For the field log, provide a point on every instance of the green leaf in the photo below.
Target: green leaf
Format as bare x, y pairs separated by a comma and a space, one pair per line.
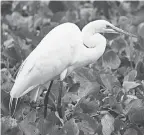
131, 76
87, 124
123, 20
111, 60
9, 126
18, 21
109, 80
70, 97
132, 104
74, 88
71, 128
130, 131
46, 126
90, 120
107, 122
136, 115
140, 71
127, 85
87, 81
6, 80
118, 45
26, 125
70, 16
118, 124
58, 16
141, 29
87, 105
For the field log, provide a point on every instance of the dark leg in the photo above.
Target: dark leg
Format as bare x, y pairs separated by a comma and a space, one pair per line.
46, 99
59, 107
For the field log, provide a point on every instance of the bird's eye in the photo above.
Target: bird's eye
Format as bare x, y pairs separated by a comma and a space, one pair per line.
108, 27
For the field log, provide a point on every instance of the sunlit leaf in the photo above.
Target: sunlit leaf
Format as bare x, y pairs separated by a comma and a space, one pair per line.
127, 85
107, 122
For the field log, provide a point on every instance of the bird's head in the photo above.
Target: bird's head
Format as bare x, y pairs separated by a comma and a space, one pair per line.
103, 27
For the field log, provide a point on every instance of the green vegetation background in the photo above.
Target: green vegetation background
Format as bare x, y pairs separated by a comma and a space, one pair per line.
105, 98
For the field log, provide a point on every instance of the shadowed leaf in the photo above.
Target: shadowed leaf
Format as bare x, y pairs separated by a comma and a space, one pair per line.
111, 60
118, 44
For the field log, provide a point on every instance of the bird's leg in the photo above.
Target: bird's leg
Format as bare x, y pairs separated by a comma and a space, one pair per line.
59, 107
47, 98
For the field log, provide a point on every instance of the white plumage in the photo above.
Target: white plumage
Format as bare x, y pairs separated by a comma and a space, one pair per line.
61, 51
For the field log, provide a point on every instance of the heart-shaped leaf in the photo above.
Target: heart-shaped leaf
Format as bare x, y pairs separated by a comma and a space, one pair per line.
111, 60
118, 44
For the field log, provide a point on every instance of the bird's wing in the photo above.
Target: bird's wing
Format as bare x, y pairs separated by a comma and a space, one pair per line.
49, 59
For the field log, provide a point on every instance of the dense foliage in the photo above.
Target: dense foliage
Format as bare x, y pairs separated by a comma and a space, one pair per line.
105, 98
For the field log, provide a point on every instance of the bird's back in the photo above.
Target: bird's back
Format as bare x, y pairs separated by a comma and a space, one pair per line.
53, 55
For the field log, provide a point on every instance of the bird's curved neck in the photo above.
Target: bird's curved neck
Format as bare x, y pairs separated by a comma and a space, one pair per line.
96, 44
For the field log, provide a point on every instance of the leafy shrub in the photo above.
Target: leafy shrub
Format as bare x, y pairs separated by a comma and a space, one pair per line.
105, 98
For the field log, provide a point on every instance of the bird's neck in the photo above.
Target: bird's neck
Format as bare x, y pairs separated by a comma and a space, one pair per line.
97, 44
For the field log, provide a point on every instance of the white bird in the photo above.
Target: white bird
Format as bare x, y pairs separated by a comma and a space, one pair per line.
61, 51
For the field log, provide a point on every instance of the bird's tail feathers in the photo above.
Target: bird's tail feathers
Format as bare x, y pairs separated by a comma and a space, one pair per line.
12, 105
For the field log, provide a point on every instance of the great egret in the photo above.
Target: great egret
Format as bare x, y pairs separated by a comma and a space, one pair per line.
62, 50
